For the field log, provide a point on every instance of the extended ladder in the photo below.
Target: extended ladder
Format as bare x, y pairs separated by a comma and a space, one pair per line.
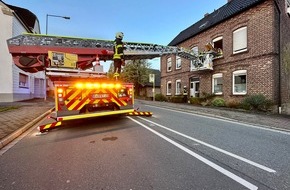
30, 51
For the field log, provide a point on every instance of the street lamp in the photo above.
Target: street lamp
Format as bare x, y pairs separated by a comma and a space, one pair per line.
65, 17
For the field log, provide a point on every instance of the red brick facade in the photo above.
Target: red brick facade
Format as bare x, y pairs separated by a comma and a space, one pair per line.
261, 60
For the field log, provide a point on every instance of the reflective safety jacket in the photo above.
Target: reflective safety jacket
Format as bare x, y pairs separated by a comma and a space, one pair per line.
118, 49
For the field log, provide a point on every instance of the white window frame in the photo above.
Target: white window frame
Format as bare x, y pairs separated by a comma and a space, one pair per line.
23, 80
216, 40
240, 40
195, 51
168, 91
169, 64
214, 77
178, 63
239, 73
178, 87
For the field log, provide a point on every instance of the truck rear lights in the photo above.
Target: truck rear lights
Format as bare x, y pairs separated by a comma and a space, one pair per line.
59, 90
122, 93
60, 93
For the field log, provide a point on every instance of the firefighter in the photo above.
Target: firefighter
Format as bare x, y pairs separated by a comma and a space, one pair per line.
185, 94
118, 54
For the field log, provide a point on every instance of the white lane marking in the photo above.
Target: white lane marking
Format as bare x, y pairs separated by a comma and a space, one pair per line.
202, 159
214, 147
229, 121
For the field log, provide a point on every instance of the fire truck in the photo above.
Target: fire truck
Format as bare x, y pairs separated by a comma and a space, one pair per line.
80, 90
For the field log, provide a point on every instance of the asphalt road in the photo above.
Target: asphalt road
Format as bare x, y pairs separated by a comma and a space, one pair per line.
171, 150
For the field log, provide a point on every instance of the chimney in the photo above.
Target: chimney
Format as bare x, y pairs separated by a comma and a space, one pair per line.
206, 14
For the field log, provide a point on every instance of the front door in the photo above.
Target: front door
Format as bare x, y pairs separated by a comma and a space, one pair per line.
194, 87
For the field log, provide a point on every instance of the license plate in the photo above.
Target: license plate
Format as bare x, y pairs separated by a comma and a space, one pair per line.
99, 96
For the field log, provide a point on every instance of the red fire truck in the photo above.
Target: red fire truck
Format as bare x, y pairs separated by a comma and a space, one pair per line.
81, 93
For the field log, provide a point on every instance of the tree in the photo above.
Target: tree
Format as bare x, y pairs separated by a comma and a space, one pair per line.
111, 70
136, 71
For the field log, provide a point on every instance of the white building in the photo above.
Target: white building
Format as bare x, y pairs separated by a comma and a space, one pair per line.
15, 84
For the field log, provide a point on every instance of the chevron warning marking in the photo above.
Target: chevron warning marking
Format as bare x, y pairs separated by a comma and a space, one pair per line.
140, 113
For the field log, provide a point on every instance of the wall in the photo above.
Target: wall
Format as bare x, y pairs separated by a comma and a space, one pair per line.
260, 60
5, 61
9, 74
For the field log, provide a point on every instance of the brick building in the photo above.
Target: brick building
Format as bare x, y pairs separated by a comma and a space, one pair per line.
254, 36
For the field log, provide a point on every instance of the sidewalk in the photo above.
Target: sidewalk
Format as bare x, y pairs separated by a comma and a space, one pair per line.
269, 120
20, 116
15, 121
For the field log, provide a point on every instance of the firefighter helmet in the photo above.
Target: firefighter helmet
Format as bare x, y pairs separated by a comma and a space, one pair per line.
119, 35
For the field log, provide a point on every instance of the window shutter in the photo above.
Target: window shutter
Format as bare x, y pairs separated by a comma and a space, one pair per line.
240, 40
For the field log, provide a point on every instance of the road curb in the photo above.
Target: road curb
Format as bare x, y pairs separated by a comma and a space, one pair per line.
18, 132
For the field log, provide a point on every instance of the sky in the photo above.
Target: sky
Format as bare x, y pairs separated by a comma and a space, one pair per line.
148, 21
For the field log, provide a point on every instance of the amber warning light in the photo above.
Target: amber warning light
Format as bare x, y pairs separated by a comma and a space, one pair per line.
97, 85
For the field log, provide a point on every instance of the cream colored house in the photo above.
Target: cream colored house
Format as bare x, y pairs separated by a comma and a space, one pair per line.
15, 84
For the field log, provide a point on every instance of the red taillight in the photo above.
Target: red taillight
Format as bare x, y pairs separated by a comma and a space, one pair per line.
60, 92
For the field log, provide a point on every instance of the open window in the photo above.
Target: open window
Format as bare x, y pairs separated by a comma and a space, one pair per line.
218, 45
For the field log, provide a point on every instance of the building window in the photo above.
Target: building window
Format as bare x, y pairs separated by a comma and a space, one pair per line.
193, 62
240, 40
169, 64
178, 62
23, 80
240, 82
168, 88
217, 83
195, 50
178, 87
218, 45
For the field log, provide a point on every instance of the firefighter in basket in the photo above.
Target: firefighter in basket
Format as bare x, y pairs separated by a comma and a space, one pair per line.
118, 54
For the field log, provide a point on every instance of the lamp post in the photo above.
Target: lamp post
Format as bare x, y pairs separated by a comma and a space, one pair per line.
47, 15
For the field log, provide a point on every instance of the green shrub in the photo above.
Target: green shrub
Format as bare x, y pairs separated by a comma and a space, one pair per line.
206, 98
256, 102
161, 98
177, 99
195, 100
219, 102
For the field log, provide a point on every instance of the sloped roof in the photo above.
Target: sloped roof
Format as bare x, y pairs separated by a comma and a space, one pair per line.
27, 17
227, 11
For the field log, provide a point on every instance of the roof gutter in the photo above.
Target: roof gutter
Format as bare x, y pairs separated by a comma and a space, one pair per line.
279, 59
